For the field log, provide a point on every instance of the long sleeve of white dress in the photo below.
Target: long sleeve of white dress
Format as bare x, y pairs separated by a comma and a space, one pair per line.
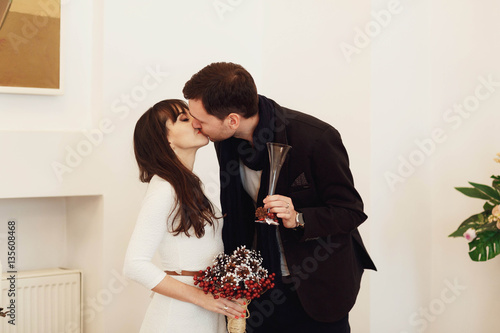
149, 231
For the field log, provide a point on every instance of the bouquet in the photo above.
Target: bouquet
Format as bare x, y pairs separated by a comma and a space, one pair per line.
483, 230
239, 275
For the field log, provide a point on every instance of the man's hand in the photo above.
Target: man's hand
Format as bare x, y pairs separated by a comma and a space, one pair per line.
283, 208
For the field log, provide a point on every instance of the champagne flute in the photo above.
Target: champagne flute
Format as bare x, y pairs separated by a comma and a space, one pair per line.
277, 154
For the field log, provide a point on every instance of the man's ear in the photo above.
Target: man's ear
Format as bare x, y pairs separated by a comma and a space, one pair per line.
233, 121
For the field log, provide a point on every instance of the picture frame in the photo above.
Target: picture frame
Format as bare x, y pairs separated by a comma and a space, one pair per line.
30, 47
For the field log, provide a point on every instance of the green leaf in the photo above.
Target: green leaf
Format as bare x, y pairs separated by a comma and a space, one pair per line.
475, 221
472, 192
485, 246
496, 182
489, 191
488, 206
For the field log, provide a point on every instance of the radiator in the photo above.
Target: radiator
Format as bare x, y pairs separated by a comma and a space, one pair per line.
47, 301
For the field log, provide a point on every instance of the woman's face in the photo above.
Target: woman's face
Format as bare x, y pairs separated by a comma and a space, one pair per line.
182, 135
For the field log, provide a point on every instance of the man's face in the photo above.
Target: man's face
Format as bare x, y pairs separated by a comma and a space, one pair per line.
211, 126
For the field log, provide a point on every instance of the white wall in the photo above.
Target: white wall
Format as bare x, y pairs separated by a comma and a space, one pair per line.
40, 227
383, 93
469, 50
426, 60
399, 114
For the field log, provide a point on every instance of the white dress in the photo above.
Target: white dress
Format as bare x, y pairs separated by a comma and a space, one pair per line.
177, 253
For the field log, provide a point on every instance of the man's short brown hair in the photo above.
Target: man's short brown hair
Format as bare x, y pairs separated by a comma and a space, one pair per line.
224, 88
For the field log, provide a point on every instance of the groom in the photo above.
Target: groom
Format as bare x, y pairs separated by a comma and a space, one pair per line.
316, 251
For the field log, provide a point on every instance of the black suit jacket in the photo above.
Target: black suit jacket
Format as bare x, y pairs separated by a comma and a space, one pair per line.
327, 258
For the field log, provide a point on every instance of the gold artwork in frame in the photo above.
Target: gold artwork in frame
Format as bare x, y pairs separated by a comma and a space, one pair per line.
30, 55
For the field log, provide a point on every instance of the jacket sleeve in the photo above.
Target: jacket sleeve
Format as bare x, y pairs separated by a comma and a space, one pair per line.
340, 208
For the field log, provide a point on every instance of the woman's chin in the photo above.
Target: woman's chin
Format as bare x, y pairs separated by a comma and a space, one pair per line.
203, 144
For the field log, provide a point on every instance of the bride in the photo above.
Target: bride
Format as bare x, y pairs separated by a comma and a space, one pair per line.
177, 220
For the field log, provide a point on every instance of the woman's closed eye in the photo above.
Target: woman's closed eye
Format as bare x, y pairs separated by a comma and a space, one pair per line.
183, 117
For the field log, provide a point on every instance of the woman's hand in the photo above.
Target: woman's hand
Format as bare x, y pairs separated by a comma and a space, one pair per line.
283, 208
173, 288
232, 308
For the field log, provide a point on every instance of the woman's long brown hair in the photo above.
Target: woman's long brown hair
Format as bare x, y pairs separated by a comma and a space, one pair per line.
155, 157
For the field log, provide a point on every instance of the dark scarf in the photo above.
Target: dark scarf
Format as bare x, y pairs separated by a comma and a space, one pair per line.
237, 206
256, 157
